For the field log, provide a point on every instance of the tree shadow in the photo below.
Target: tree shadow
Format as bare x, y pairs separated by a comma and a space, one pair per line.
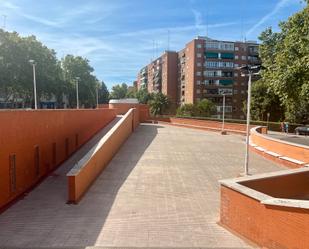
43, 219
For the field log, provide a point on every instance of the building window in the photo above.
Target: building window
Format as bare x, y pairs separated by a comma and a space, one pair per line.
243, 57
198, 55
211, 64
236, 48
236, 74
226, 46
198, 82
236, 65
236, 57
208, 73
227, 74
212, 45
235, 91
198, 91
226, 64
199, 45
211, 82
198, 73
242, 92
199, 64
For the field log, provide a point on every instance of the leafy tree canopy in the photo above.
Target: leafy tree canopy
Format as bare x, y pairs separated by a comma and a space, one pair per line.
285, 55
119, 91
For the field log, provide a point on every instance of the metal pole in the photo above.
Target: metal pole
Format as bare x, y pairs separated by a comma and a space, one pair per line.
223, 115
97, 95
248, 125
34, 88
77, 100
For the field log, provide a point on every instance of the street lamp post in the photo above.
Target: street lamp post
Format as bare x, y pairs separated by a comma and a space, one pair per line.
33, 63
97, 96
251, 70
223, 115
77, 97
268, 115
248, 124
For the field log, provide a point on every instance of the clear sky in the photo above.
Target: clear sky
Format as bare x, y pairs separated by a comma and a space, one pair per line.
118, 36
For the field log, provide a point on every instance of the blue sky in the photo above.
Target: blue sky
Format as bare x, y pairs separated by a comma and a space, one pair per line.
118, 36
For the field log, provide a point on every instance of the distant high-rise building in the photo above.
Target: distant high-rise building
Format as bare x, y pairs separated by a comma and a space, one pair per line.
204, 69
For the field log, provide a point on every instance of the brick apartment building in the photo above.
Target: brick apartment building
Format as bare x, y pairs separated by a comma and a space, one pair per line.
203, 69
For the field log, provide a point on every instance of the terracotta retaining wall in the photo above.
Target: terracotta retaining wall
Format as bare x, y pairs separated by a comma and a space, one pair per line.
84, 173
34, 142
269, 222
122, 108
289, 154
205, 124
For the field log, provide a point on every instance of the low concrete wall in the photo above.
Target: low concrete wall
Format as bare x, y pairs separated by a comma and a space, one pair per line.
205, 124
122, 108
268, 221
144, 113
34, 142
84, 173
289, 154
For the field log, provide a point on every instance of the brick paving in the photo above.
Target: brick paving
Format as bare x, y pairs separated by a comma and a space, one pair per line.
160, 190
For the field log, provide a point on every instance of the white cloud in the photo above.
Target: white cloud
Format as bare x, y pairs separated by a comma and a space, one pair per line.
280, 5
197, 18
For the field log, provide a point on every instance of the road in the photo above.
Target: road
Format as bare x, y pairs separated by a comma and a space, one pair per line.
304, 140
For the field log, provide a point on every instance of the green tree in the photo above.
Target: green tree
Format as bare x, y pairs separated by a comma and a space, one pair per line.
205, 108
76, 68
119, 91
103, 93
131, 93
16, 77
264, 101
285, 55
187, 110
143, 96
158, 103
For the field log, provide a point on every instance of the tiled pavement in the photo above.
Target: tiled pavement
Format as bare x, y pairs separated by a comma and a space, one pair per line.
160, 190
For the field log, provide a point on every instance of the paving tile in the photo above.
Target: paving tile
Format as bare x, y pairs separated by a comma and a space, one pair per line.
160, 190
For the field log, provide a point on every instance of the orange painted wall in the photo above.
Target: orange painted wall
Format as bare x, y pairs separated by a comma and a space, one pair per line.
300, 153
56, 133
272, 227
103, 105
78, 183
286, 186
144, 112
123, 108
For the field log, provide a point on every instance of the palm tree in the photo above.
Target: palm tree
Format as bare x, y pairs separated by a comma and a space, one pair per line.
158, 103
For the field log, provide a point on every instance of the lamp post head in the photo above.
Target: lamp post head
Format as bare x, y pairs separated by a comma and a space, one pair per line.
32, 62
77, 78
250, 69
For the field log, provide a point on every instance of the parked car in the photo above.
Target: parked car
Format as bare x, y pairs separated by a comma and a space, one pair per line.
302, 130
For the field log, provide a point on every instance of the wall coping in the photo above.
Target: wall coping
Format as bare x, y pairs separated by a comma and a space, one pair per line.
124, 101
81, 163
236, 185
254, 130
55, 110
